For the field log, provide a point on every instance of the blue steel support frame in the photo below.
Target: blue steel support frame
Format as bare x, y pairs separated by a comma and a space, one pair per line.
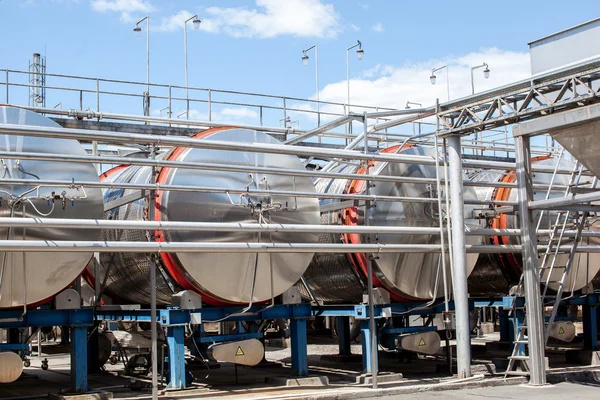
175, 341
366, 347
79, 361
590, 326
299, 347
77, 320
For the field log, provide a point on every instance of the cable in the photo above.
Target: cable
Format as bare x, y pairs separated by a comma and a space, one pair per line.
38, 211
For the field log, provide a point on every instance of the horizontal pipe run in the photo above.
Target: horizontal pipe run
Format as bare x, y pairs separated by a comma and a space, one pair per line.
321, 129
232, 168
252, 247
162, 140
564, 201
72, 223
244, 191
305, 151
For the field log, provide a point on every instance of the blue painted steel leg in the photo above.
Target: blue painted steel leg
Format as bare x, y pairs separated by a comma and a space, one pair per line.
505, 328
590, 327
299, 347
366, 347
79, 371
175, 340
343, 331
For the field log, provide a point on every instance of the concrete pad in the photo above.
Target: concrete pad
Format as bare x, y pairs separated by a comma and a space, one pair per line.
81, 396
304, 381
367, 379
586, 357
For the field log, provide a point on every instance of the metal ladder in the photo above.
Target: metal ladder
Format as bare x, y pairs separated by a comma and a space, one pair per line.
563, 216
516, 359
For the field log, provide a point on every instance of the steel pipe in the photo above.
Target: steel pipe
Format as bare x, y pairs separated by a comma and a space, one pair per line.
558, 202
322, 129
459, 255
305, 151
66, 223
254, 247
162, 140
531, 273
208, 189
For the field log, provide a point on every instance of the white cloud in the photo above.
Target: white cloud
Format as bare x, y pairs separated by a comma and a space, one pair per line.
304, 18
124, 7
355, 28
364, 6
238, 113
378, 27
174, 22
270, 18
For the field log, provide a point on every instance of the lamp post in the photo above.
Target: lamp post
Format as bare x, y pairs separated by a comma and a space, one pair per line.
305, 62
408, 103
360, 53
486, 74
196, 21
433, 78
137, 31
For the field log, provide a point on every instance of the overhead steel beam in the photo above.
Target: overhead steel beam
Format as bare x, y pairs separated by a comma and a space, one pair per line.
539, 95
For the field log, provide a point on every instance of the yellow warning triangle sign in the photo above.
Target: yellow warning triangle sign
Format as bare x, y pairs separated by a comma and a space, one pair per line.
422, 342
561, 331
239, 351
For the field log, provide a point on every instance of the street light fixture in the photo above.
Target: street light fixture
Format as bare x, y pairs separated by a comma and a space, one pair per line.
433, 78
486, 74
196, 21
305, 62
360, 53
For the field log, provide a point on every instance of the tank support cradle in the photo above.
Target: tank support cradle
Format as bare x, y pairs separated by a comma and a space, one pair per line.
77, 320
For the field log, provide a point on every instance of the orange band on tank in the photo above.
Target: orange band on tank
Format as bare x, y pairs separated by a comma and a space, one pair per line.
350, 217
176, 271
508, 260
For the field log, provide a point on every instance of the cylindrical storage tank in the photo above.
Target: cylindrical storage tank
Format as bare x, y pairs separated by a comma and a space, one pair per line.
585, 265
33, 278
407, 276
219, 277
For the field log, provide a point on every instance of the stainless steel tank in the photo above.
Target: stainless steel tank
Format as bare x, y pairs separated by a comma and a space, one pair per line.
35, 277
220, 277
407, 276
585, 265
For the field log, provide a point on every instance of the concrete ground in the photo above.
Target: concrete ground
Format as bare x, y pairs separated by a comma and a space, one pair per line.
560, 391
409, 378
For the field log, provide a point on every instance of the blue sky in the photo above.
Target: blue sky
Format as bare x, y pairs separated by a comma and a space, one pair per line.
250, 45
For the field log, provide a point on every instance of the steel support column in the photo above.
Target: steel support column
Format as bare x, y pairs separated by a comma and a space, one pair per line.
535, 317
79, 366
299, 347
459, 255
175, 340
